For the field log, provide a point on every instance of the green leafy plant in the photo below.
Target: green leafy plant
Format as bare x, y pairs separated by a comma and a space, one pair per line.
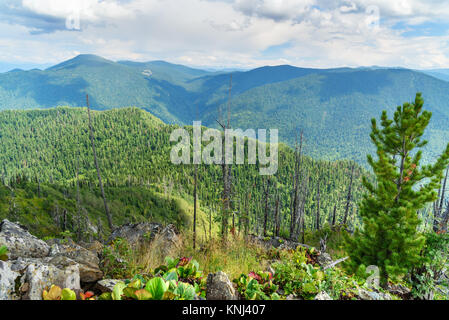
183, 270
116, 260
3, 253
298, 273
155, 288
56, 293
434, 257
257, 286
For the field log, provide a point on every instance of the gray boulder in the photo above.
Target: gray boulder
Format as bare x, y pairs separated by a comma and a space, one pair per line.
20, 242
8, 282
34, 265
140, 233
136, 233
219, 287
276, 242
364, 294
106, 285
323, 296
88, 261
39, 276
168, 238
399, 290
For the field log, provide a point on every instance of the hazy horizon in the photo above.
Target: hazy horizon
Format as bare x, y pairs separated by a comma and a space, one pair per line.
242, 34
6, 67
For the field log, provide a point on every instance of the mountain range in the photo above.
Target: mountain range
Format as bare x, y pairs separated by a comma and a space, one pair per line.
332, 106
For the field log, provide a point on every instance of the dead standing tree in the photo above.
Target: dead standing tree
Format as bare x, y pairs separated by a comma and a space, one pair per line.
226, 172
300, 219
317, 222
295, 192
334, 214
195, 183
266, 192
438, 205
195, 191
348, 198
277, 216
92, 140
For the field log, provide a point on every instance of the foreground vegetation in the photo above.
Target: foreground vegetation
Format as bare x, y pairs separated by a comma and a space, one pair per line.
257, 274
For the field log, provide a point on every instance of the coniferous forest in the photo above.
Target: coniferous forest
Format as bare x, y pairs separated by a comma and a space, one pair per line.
93, 205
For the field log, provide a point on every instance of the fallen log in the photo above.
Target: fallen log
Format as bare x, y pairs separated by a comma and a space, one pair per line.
333, 264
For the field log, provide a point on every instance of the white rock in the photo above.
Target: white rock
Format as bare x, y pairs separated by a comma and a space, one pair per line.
7, 282
20, 242
323, 296
39, 276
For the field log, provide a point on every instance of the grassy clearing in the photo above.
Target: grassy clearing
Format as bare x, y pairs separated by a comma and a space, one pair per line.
235, 257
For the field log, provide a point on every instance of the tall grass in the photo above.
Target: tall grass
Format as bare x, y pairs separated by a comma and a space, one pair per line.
234, 257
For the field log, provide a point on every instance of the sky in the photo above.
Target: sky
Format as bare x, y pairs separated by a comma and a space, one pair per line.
228, 33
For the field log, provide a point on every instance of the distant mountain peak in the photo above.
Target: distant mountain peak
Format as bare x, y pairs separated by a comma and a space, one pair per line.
82, 59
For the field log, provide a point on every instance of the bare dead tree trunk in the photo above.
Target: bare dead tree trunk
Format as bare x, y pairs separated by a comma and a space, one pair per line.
266, 190
303, 230
444, 220
226, 172
348, 199
106, 208
247, 217
195, 182
438, 210
318, 208
64, 220
334, 214
295, 204
210, 223
277, 220
100, 230
79, 232
323, 243
301, 207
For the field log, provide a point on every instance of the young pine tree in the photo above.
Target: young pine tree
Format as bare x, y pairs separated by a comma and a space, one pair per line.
389, 237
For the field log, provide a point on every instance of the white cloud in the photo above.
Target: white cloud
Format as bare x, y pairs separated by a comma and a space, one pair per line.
274, 9
320, 33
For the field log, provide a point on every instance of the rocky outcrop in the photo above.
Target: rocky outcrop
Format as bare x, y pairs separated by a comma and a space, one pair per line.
106, 285
399, 290
168, 239
136, 233
323, 296
140, 233
34, 265
88, 261
364, 294
219, 287
277, 242
20, 242
39, 276
95, 247
8, 282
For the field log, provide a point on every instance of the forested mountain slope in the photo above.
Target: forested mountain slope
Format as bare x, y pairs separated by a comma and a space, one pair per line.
332, 106
134, 152
334, 109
